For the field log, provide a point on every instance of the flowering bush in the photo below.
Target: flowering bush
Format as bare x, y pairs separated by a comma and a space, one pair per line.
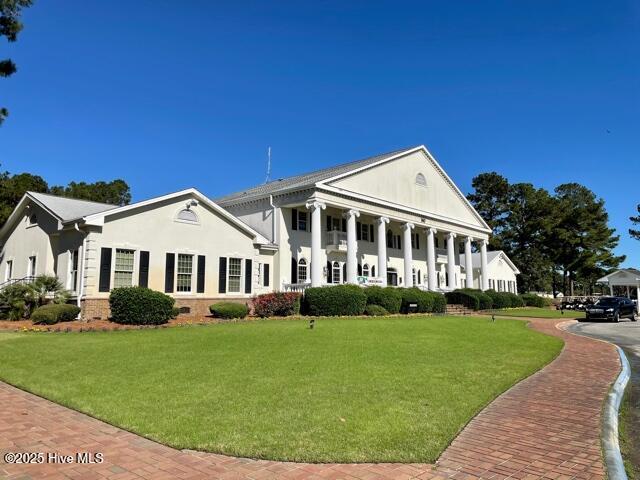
279, 304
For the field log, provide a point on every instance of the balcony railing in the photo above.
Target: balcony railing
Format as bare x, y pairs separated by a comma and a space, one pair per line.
336, 240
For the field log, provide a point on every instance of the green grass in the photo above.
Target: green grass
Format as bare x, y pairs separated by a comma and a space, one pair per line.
539, 313
351, 390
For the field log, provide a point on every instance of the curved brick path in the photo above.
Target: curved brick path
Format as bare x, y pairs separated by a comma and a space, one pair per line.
545, 427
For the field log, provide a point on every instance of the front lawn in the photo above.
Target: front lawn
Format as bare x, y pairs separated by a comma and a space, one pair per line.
539, 313
351, 390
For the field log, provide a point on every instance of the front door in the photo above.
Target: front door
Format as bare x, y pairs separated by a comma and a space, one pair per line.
392, 279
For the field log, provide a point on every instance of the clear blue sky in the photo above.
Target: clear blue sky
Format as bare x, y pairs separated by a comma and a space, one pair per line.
169, 95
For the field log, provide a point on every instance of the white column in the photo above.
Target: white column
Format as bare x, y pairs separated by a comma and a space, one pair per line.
468, 262
316, 242
610, 289
382, 249
451, 261
352, 246
408, 254
483, 265
638, 299
431, 259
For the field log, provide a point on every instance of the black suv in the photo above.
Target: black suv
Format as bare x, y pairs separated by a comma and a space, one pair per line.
611, 308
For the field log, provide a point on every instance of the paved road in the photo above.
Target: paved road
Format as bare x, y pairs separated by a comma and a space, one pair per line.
626, 335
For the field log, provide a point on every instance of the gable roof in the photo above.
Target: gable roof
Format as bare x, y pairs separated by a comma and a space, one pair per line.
67, 209
307, 180
98, 217
632, 271
491, 256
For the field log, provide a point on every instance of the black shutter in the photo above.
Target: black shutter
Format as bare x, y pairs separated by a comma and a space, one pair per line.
222, 275
358, 231
359, 270
328, 223
344, 224
143, 276
265, 273
294, 219
169, 268
371, 234
344, 272
294, 271
201, 274
329, 272
373, 271
104, 284
248, 275
417, 242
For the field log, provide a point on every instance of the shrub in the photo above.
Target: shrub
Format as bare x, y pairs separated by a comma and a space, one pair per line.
486, 303
54, 313
439, 302
16, 301
515, 301
423, 300
500, 301
388, 297
279, 304
533, 300
229, 310
375, 310
47, 288
462, 297
336, 300
140, 306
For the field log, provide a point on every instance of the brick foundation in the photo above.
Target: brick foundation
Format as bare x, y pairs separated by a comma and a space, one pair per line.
98, 308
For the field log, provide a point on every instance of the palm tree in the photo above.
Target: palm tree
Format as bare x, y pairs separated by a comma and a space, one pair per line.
47, 288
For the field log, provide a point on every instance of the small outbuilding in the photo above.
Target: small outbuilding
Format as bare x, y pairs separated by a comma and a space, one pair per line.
626, 278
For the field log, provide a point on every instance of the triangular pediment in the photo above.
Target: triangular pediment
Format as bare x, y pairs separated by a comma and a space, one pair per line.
414, 181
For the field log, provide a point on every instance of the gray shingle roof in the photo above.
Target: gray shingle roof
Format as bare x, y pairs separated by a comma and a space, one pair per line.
475, 257
67, 209
302, 181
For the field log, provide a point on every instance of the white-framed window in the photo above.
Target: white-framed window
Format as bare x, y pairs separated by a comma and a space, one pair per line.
415, 241
365, 270
123, 270
234, 274
414, 276
184, 273
73, 270
8, 273
302, 220
336, 272
31, 266
421, 180
187, 215
302, 271
364, 232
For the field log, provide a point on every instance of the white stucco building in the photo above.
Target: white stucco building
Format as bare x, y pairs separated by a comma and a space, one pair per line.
395, 219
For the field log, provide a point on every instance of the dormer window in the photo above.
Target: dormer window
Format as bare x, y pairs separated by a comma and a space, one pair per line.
187, 215
421, 180
33, 219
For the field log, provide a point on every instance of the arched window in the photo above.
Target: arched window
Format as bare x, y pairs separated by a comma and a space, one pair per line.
373, 270
421, 180
365, 270
336, 271
187, 215
33, 219
302, 271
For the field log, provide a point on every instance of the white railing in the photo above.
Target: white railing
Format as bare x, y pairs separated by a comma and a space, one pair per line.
336, 237
14, 281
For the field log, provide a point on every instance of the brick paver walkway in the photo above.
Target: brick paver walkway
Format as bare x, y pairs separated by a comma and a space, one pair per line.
545, 427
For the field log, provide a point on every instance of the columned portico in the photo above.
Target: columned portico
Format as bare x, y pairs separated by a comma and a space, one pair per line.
408, 254
352, 246
431, 259
451, 261
382, 249
483, 265
468, 262
316, 239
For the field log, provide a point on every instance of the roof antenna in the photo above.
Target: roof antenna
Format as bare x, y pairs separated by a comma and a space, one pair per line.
268, 179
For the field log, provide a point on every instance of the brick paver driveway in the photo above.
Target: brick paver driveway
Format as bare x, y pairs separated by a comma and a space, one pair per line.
545, 427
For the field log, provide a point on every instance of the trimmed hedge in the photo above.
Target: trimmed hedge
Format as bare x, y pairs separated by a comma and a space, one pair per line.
140, 306
439, 302
533, 300
334, 301
229, 310
54, 313
424, 301
505, 300
462, 297
375, 310
279, 304
388, 297
485, 301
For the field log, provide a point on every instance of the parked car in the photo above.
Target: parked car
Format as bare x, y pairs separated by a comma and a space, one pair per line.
611, 308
